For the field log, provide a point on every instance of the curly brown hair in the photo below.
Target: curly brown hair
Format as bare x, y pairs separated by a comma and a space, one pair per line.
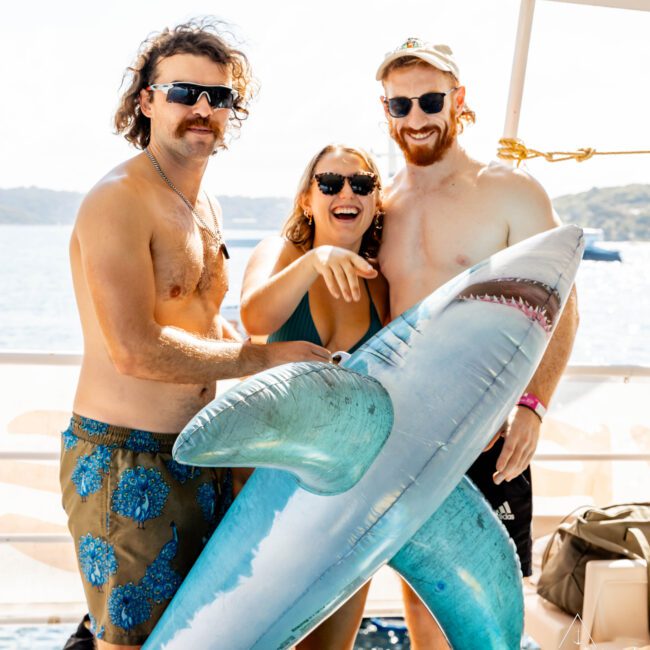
202, 37
298, 229
465, 117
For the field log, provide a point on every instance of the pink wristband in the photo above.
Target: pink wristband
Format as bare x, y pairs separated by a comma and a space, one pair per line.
530, 401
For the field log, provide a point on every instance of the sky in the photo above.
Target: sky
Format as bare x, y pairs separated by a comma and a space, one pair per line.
587, 84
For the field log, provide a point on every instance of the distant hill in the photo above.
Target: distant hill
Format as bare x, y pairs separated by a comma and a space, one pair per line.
622, 212
34, 205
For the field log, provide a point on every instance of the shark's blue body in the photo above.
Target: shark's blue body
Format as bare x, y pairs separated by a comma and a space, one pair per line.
299, 541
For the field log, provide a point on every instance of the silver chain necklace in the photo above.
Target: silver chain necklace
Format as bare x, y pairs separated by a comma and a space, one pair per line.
215, 235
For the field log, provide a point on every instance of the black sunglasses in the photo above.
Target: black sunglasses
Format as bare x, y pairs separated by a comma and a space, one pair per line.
183, 92
361, 183
430, 103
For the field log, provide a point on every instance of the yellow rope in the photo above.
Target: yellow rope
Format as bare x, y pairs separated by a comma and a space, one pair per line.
515, 149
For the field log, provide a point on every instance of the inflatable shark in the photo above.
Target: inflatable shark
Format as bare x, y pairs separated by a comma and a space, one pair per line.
363, 465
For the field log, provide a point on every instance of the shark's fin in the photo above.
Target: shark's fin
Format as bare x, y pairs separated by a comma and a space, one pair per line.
318, 421
464, 567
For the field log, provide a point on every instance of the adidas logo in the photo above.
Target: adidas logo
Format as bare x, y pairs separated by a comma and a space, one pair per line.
504, 513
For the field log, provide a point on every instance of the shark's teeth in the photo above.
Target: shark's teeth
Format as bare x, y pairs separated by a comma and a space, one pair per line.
536, 313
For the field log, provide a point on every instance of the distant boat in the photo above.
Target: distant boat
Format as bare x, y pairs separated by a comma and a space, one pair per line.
595, 252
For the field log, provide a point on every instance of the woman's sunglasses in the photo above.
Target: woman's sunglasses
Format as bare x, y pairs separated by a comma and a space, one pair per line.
183, 92
361, 183
430, 103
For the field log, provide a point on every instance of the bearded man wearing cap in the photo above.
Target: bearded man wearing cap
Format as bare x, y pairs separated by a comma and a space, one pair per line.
445, 212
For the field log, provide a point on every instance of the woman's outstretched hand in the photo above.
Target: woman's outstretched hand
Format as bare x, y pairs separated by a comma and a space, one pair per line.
341, 270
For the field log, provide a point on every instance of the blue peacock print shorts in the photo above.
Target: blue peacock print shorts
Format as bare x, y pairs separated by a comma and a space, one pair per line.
139, 521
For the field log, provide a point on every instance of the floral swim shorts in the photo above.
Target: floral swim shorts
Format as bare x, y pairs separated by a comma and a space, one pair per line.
139, 521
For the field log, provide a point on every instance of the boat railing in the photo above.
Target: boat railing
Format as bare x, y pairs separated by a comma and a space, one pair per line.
618, 373
38, 357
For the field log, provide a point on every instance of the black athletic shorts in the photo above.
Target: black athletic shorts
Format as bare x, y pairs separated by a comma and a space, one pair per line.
512, 501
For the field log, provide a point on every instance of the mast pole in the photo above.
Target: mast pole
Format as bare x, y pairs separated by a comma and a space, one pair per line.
518, 75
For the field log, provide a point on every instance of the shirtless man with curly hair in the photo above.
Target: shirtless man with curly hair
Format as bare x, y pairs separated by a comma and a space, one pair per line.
149, 265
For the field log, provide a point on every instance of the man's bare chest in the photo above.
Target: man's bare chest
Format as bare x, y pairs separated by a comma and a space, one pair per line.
188, 263
434, 235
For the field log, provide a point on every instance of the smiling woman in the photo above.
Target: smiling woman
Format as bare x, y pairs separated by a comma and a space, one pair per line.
316, 283
327, 241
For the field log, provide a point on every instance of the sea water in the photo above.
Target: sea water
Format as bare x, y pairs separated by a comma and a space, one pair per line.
38, 312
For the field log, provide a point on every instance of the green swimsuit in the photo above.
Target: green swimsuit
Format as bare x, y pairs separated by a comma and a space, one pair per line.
300, 325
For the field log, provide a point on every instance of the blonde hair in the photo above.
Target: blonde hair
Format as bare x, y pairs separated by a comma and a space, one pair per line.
298, 229
466, 115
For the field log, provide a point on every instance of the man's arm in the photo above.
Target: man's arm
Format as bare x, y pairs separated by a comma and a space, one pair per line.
277, 278
522, 434
115, 237
533, 214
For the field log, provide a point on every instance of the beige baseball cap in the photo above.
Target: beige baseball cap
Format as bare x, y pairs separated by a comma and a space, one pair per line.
439, 56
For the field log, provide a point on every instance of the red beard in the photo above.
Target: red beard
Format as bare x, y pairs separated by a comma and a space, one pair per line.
424, 155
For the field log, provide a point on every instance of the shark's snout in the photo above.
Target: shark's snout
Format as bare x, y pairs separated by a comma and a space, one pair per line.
536, 300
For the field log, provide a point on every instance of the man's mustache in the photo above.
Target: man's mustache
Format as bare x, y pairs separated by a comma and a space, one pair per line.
200, 122
428, 129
